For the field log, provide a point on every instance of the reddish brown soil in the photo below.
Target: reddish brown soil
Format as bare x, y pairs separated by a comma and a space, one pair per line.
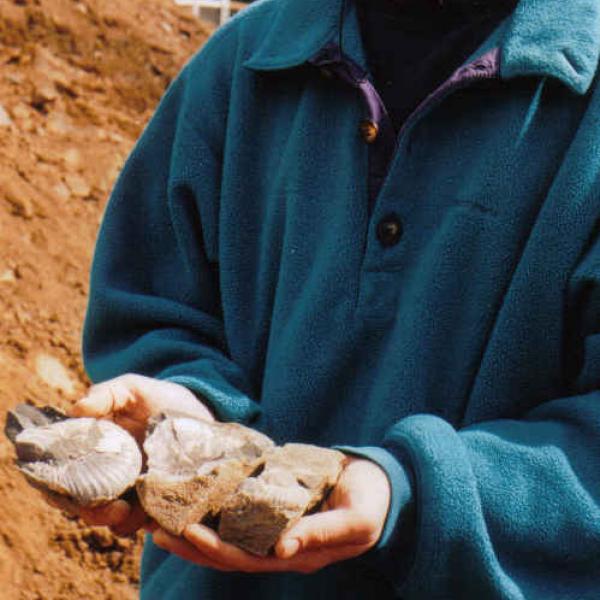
78, 80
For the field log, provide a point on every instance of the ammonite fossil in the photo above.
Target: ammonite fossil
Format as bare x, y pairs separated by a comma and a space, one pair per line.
84, 461
225, 475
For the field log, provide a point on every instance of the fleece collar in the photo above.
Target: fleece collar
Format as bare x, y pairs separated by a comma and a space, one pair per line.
556, 38
547, 38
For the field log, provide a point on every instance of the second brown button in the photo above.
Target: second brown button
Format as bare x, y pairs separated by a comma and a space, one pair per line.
369, 131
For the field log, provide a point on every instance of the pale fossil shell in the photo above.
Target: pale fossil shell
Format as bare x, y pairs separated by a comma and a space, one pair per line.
183, 447
89, 461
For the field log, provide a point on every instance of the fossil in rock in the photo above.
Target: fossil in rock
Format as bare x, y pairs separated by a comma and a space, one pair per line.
193, 467
295, 480
83, 461
225, 475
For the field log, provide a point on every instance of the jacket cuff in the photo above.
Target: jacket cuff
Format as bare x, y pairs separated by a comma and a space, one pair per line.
227, 404
394, 552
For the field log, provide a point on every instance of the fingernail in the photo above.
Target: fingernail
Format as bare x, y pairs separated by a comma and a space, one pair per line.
289, 548
202, 534
158, 537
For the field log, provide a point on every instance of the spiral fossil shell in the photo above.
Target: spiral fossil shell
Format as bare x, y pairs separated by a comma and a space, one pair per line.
88, 461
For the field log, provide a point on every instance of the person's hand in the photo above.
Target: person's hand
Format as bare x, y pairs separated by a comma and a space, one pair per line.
130, 400
349, 525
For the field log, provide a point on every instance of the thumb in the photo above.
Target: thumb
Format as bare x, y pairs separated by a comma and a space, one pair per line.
111, 514
98, 403
341, 527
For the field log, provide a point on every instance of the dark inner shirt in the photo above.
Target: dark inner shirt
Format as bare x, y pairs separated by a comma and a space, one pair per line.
413, 46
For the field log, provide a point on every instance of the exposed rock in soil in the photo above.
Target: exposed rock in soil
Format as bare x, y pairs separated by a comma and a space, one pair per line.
5, 120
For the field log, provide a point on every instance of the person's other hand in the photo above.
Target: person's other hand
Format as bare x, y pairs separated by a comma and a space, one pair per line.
349, 525
130, 400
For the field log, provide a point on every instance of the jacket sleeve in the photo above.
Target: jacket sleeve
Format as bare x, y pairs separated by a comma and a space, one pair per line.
154, 305
506, 508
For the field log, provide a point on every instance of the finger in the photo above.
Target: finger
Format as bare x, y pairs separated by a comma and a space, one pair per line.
136, 519
185, 550
212, 546
91, 407
150, 526
119, 401
113, 514
312, 561
341, 527
99, 402
231, 558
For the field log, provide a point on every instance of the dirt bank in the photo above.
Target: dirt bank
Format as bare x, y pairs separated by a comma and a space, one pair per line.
78, 80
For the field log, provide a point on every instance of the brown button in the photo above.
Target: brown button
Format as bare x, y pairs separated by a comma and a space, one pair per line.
369, 131
389, 230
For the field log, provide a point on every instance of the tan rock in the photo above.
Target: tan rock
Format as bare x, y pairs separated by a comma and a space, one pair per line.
8, 276
175, 504
61, 191
78, 185
44, 92
59, 123
20, 111
52, 372
5, 120
18, 197
72, 158
194, 466
296, 478
14, 78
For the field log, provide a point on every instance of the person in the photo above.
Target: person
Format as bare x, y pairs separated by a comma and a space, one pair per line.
373, 225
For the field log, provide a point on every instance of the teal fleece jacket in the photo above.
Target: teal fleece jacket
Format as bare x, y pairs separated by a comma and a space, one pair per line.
239, 257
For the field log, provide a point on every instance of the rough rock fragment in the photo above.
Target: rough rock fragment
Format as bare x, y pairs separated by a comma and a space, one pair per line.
78, 185
5, 120
53, 373
193, 467
295, 480
8, 276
